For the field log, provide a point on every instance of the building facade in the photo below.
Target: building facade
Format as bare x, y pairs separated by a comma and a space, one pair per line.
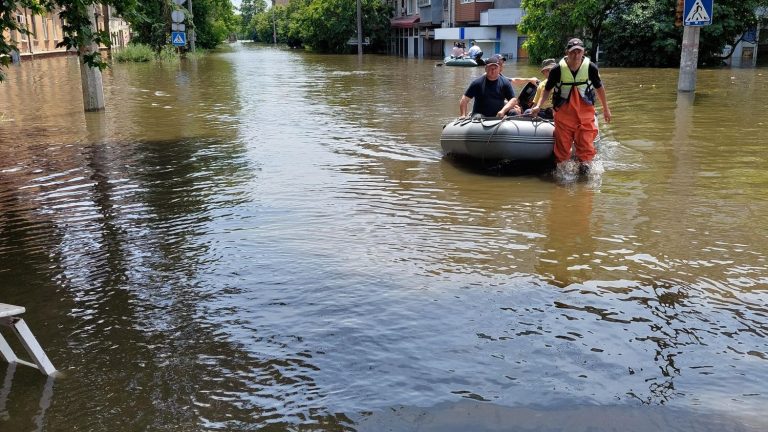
47, 31
429, 28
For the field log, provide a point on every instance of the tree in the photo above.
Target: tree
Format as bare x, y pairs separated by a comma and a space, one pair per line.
655, 41
79, 33
149, 22
249, 8
214, 20
323, 25
549, 23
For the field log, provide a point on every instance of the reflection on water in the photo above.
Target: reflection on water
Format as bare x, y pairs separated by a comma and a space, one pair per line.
238, 245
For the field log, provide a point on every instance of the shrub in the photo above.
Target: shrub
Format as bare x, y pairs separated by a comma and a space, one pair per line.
134, 53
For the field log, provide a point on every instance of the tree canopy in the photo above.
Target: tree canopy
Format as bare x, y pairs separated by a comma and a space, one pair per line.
631, 32
323, 25
212, 21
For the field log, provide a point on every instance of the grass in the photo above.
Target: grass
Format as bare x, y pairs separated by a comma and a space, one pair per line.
137, 53
169, 54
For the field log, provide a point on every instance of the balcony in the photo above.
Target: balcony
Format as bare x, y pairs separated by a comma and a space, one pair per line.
501, 17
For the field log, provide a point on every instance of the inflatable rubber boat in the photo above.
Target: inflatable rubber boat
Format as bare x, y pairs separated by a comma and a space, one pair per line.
517, 138
463, 61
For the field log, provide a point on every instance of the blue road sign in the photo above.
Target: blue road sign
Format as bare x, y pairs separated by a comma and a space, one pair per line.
697, 13
179, 38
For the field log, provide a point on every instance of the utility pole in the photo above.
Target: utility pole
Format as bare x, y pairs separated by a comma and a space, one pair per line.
274, 26
695, 13
689, 58
191, 28
359, 29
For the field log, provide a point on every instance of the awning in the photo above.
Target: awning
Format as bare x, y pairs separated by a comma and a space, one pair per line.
404, 22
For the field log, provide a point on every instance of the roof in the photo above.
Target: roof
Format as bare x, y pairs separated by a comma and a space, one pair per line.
404, 21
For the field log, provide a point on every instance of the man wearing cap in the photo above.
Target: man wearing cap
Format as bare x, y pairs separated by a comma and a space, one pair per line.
575, 83
493, 93
546, 66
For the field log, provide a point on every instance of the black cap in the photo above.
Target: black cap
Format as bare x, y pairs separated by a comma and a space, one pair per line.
573, 44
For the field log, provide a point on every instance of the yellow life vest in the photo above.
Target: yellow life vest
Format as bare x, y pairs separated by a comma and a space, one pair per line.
562, 90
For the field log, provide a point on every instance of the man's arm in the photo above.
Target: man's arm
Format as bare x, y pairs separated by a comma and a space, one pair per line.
544, 97
509, 106
523, 81
604, 102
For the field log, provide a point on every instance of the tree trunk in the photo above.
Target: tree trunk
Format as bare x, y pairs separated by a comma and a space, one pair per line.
90, 77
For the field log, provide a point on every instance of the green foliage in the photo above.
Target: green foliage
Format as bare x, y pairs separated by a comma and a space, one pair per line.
249, 8
77, 31
137, 53
214, 21
550, 23
149, 22
655, 41
168, 54
323, 25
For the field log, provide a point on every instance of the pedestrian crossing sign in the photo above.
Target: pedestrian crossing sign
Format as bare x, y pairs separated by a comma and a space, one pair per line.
697, 12
179, 38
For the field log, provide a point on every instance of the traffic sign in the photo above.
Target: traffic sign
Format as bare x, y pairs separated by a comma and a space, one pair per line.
179, 38
177, 16
179, 2
178, 27
697, 13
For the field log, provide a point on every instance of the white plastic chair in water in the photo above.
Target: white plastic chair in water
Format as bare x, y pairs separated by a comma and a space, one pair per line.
10, 316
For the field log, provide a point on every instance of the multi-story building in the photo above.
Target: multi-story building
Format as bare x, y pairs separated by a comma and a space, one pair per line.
47, 31
428, 28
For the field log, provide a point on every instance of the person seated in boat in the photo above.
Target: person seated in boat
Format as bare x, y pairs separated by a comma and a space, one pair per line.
458, 51
475, 52
492, 93
546, 106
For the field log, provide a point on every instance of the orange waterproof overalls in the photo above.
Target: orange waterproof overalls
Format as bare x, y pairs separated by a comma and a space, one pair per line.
575, 125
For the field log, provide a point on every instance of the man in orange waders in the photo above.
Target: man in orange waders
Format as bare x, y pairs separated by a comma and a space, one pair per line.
575, 83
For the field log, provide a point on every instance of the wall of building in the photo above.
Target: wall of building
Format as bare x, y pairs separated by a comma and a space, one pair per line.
470, 12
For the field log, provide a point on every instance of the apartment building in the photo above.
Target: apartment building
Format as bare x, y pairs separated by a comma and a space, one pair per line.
428, 28
47, 31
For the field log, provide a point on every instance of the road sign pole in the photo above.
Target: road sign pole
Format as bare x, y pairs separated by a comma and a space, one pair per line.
689, 58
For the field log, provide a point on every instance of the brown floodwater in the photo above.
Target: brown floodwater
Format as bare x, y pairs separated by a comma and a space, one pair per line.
268, 239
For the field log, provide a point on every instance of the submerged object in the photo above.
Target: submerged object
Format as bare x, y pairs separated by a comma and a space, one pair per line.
520, 138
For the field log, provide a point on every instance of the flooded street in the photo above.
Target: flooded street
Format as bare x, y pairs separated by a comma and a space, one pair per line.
268, 239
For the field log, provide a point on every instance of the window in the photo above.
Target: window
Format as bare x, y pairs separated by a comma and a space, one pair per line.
45, 29
20, 19
467, 1
425, 3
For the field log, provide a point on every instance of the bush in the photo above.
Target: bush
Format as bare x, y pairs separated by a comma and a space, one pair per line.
134, 53
168, 54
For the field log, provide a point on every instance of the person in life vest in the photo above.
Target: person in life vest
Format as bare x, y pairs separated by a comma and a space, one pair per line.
492, 92
575, 83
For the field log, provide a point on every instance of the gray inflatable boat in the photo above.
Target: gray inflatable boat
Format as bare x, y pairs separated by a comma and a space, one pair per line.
491, 138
